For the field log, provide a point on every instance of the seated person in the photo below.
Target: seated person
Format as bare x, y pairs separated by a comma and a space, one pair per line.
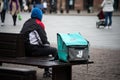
36, 42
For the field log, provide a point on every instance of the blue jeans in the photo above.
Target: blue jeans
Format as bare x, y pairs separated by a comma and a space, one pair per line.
108, 18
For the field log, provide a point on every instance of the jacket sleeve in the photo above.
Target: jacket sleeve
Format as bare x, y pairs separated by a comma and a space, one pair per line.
43, 36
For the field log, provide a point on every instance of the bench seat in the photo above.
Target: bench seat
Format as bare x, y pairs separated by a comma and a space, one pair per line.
59, 69
33, 61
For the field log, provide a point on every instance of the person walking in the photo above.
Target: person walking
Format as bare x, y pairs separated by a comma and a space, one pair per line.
44, 6
38, 4
29, 4
107, 6
21, 5
3, 11
35, 37
14, 10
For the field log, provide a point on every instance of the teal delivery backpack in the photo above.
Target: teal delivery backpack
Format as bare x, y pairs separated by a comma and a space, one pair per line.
72, 47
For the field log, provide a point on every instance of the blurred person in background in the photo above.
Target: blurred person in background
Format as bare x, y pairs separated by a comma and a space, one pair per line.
38, 4
44, 6
29, 4
21, 5
107, 6
14, 10
4, 8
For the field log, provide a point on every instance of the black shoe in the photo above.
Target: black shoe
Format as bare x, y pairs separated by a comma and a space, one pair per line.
2, 24
47, 74
14, 24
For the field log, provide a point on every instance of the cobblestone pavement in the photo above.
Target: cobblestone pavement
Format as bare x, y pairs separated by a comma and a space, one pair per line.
104, 44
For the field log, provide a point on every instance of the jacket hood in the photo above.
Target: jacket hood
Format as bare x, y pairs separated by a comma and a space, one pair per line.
37, 13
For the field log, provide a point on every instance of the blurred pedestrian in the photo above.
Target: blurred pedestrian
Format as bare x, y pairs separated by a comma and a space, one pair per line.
25, 7
29, 5
35, 37
14, 10
21, 5
3, 11
107, 6
38, 4
44, 6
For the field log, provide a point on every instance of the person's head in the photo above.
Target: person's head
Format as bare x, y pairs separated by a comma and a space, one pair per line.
36, 13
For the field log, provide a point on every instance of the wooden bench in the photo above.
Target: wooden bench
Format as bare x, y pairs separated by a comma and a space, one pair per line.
12, 51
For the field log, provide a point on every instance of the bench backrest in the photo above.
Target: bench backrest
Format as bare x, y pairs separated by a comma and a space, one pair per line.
11, 45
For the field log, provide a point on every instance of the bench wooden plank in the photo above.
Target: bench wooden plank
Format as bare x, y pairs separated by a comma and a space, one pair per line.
7, 45
59, 69
33, 62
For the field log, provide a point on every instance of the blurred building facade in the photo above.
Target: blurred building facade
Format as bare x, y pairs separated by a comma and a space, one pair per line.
77, 5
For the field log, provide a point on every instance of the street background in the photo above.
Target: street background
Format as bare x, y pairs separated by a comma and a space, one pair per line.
104, 43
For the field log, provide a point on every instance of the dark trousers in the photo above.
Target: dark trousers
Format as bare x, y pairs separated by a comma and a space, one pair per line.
37, 51
3, 13
44, 51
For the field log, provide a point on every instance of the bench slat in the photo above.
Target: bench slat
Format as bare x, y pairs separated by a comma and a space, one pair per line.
7, 45
8, 37
7, 53
33, 62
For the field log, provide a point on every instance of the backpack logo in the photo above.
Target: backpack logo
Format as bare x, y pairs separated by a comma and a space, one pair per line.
80, 54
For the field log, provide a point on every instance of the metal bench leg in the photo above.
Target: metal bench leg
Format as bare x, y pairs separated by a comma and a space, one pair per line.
62, 73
